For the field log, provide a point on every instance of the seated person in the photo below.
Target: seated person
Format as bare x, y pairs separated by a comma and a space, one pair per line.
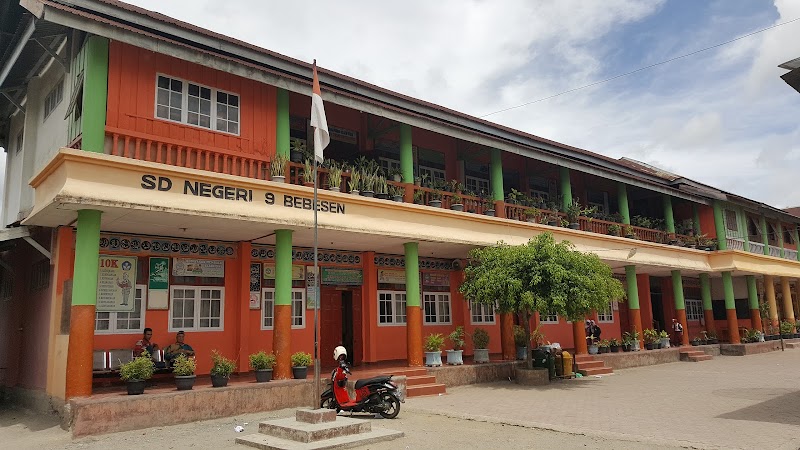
144, 345
177, 348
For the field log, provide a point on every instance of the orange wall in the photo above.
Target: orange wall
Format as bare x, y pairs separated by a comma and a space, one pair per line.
132, 91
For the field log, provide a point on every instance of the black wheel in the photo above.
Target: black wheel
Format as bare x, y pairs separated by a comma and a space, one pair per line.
392, 408
329, 403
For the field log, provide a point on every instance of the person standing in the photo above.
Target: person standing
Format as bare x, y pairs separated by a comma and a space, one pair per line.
677, 333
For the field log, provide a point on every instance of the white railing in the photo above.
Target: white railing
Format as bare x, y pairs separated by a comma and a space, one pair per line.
790, 254
735, 244
774, 251
756, 247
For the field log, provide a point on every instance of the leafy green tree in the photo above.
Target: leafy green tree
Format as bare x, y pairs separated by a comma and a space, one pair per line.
542, 276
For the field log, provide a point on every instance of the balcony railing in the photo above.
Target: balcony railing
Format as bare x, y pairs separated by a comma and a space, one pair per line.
790, 254
774, 251
756, 247
738, 244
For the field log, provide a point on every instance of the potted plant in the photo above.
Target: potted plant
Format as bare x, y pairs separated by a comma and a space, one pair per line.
787, 329
262, 362
626, 343
604, 346
533, 215
633, 337
381, 188
355, 181
593, 348
651, 338
433, 349
136, 373
663, 339
300, 363
480, 343
614, 229
629, 233
277, 168
456, 203
519, 342
308, 173
221, 369
397, 192
368, 184
695, 341
419, 197
397, 174
456, 355
613, 344
711, 338
297, 149
183, 369
335, 176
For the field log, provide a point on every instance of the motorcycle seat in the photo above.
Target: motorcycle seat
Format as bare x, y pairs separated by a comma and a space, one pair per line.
373, 380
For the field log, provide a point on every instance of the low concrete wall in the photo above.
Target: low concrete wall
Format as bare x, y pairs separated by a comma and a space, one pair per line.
532, 377
473, 373
753, 347
709, 349
624, 360
93, 415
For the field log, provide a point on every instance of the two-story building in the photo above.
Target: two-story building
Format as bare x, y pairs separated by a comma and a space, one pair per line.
146, 187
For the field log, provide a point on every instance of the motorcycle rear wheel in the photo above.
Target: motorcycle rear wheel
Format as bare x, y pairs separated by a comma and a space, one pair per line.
392, 406
329, 403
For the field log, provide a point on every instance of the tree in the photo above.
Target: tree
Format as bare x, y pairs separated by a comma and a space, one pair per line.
542, 276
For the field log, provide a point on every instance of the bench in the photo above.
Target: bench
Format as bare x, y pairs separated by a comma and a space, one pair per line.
106, 363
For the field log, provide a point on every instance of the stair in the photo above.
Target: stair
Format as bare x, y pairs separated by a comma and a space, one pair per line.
694, 355
418, 381
588, 365
792, 344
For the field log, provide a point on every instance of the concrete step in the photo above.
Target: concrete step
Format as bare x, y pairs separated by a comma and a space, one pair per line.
425, 389
697, 358
590, 364
792, 344
296, 431
265, 442
596, 371
583, 358
687, 355
420, 379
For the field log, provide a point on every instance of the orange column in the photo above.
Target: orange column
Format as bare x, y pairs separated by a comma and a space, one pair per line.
769, 292
579, 336
282, 331
413, 301
500, 211
507, 336
243, 282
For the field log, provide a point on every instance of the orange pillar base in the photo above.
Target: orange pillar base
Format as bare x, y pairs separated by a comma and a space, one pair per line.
711, 326
635, 316
733, 327
414, 337
282, 342
579, 335
79, 356
755, 320
681, 313
507, 337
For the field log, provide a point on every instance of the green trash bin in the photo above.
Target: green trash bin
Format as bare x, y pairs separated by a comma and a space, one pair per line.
545, 360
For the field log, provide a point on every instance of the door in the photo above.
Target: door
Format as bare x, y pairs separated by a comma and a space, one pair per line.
330, 316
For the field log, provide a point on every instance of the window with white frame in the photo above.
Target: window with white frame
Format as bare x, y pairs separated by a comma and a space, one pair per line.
476, 185
197, 308
598, 200
437, 308
548, 318
114, 322
391, 307
389, 165
433, 174
20, 141
268, 308
197, 105
694, 309
539, 187
606, 315
53, 98
481, 312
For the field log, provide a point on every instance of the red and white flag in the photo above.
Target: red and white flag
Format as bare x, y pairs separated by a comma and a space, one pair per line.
318, 120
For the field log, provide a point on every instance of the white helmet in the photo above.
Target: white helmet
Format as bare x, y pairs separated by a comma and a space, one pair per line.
339, 351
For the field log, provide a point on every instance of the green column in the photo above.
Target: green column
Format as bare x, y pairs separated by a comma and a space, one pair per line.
696, 215
283, 267
412, 273
727, 284
633, 289
780, 238
406, 153
566, 187
796, 242
764, 234
497, 175
705, 292
282, 124
741, 217
752, 292
622, 199
669, 217
719, 225
95, 95
677, 290
87, 258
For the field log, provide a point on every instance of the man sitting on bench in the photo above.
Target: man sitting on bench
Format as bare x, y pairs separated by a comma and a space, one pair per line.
177, 348
145, 345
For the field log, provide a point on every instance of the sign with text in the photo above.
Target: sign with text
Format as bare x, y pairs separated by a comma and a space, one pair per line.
189, 267
116, 283
255, 285
298, 272
158, 284
311, 288
435, 279
345, 277
389, 276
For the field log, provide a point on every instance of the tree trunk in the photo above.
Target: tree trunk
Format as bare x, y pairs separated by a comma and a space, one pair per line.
526, 316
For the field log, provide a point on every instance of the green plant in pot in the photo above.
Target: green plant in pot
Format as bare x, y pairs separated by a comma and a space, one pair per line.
136, 373
455, 356
183, 369
221, 369
262, 362
297, 149
520, 342
456, 203
308, 173
354, 183
277, 168
397, 193
480, 344
787, 329
433, 349
614, 229
335, 176
300, 363
533, 215
663, 339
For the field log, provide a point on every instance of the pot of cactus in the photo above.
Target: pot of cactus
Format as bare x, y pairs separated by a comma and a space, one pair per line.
221, 369
183, 369
480, 343
262, 362
455, 357
300, 363
433, 349
308, 173
335, 177
456, 203
277, 168
354, 183
297, 149
136, 373
397, 192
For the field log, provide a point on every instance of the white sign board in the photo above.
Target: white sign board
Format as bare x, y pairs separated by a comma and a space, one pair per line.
116, 283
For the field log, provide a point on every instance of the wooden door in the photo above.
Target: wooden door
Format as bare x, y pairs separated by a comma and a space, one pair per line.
330, 315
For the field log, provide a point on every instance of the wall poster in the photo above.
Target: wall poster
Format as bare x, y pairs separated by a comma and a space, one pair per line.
116, 281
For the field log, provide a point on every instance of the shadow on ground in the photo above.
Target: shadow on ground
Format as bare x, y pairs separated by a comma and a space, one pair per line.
11, 415
780, 407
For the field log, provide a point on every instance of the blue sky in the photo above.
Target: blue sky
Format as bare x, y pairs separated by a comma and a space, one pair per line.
722, 117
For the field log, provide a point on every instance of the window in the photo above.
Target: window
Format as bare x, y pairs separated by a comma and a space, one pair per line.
18, 145
433, 173
389, 165
391, 307
476, 185
607, 315
437, 308
481, 312
268, 308
548, 318
599, 200
108, 322
540, 188
53, 98
196, 308
694, 309
731, 224
197, 105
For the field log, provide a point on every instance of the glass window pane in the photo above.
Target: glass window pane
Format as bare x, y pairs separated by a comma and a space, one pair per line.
175, 114
222, 111
193, 118
193, 104
215, 306
233, 100
233, 128
176, 85
215, 323
177, 323
221, 125
216, 294
194, 89
222, 97
205, 293
205, 93
205, 122
175, 99
205, 323
163, 97
205, 107
205, 308
163, 82
233, 114
162, 112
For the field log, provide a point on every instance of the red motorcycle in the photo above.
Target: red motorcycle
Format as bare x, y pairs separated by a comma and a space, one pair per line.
373, 395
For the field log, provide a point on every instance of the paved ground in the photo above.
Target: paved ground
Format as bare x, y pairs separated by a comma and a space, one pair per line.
748, 402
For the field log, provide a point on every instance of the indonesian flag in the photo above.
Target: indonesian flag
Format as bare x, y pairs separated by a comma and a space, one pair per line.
318, 120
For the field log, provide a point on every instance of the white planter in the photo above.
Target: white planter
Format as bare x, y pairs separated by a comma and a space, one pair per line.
664, 342
636, 347
334, 188
481, 355
433, 359
592, 349
455, 357
277, 178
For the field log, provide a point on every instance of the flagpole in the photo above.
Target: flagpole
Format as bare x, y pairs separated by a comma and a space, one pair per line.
316, 295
